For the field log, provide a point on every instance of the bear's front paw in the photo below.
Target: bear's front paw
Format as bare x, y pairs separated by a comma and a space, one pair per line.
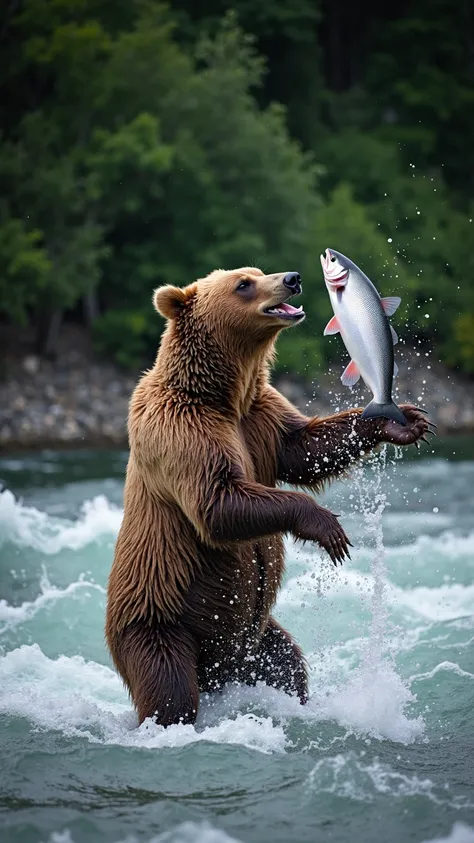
325, 529
416, 428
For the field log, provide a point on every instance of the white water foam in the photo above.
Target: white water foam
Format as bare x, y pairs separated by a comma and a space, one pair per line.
11, 616
26, 526
448, 667
440, 603
371, 699
368, 706
85, 699
350, 777
188, 832
445, 603
460, 833
447, 545
374, 702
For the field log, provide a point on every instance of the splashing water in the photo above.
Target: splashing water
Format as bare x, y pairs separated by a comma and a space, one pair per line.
375, 697
372, 503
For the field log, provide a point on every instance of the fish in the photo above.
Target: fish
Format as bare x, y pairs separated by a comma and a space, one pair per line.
361, 317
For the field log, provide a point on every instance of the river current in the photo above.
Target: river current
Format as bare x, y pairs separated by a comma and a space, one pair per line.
385, 747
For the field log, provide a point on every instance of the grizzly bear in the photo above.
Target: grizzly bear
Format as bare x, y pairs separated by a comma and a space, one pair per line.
199, 558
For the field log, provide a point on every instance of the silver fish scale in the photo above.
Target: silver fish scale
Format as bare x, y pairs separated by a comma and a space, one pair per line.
365, 329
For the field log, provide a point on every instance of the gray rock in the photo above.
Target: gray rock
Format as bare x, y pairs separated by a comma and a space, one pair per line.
75, 402
31, 364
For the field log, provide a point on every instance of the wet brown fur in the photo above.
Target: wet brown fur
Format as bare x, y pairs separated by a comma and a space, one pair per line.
199, 557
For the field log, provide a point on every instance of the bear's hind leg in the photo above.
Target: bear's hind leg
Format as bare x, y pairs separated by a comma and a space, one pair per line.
280, 662
161, 669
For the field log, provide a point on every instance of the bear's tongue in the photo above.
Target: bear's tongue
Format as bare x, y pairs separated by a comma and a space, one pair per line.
284, 307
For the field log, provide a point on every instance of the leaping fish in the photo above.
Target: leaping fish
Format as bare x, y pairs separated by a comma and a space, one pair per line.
361, 317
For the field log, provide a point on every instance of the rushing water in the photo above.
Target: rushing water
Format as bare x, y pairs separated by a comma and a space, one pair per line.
385, 747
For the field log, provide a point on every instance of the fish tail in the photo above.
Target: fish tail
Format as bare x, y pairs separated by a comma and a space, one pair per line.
387, 411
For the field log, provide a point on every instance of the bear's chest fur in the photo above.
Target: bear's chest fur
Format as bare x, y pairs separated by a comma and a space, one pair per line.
235, 586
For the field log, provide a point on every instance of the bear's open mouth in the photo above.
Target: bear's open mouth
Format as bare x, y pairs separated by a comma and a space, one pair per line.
285, 311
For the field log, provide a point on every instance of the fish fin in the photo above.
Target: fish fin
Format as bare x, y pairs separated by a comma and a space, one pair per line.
394, 335
385, 411
390, 304
351, 374
395, 370
332, 327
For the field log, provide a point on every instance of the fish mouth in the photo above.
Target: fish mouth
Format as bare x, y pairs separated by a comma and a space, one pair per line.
285, 310
335, 275
338, 283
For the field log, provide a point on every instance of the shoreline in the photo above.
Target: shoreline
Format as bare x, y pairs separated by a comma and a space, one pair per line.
22, 449
78, 402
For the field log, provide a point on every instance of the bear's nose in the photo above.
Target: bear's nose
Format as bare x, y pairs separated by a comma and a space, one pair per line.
292, 280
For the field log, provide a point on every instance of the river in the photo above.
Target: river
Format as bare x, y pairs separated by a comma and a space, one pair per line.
383, 750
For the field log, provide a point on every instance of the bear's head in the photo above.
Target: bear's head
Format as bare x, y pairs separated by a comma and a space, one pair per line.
241, 303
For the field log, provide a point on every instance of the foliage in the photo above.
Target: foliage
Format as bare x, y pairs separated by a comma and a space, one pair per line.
124, 335
463, 350
24, 268
145, 144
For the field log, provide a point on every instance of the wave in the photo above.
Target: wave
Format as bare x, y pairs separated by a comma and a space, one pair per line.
26, 526
447, 545
188, 832
11, 616
373, 702
449, 667
439, 603
86, 699
191, 832
350, 777
360, 692
460, 833
445, 603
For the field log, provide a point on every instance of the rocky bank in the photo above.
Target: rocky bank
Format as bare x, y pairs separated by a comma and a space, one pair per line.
81, 401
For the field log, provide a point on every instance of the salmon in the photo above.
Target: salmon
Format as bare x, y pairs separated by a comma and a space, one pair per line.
361, 318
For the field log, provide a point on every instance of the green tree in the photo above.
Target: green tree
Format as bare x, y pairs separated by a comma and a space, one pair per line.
233, 187
142, 144
24, 269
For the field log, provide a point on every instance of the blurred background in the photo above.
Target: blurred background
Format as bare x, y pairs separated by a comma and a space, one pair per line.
144, 143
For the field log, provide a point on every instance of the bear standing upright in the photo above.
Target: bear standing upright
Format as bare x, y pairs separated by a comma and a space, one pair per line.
199, 557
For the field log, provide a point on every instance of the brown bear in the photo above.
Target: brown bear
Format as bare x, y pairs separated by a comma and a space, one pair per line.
199, 557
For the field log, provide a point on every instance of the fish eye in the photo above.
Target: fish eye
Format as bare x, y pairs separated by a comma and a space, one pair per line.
333, 259
243, 285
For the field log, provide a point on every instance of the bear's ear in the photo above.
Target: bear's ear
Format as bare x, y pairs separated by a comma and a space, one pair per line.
170, 301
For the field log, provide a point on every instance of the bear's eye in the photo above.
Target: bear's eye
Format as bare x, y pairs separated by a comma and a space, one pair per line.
243, 285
